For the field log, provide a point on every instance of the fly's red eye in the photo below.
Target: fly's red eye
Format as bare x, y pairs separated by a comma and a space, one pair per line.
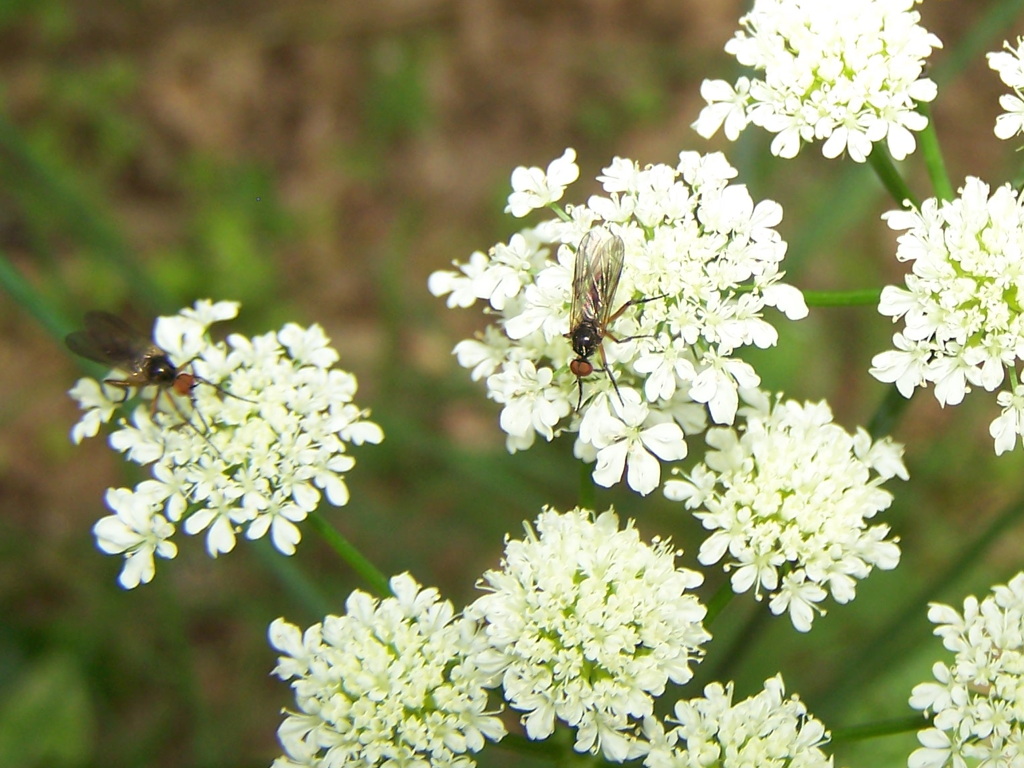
581, 367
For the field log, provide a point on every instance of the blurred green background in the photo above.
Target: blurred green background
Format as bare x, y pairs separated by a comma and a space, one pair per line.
316, 161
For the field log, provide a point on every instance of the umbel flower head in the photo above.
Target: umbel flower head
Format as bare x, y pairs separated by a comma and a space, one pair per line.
1009, 64
264, 436
390, 683
585, 623
977, 702
846, 73
695, 249
766, 729
788, 498
962, 304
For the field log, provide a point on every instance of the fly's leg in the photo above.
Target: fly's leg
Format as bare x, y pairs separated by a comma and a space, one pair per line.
633, 303
203, 433
121, 384
619, 311
607, 334
606, 369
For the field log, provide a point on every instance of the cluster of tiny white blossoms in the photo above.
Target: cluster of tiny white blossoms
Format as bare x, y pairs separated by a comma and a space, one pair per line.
788, 497
848, 73
696, 244
265, 433
767, 729
1010, 66
390, 683
585, 623
977, 703
962, 302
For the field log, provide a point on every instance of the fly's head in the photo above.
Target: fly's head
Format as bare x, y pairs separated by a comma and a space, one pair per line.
184, 383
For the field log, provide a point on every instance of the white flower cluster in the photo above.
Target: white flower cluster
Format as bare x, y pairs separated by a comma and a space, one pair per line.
1009, 64
788, 497
585, 623
764, 730
962, 303
695, 244
389, 683
977, 702
846, 73
265, 433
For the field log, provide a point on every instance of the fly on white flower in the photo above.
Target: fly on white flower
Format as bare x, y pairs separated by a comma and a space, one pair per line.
595, 278
692, 236
260, 467
110, 340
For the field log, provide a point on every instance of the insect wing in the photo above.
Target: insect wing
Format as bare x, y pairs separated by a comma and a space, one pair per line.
595, 278
109, 339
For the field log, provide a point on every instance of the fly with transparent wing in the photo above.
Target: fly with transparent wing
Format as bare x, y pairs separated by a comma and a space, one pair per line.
110, 340
595, 279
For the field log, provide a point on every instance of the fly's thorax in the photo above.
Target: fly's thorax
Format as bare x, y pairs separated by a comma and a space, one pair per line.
160, 370
585, 338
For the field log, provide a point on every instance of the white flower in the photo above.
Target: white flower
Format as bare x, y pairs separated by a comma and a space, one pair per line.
137, 530
629, 439
977, 702
961, 304
92, 398
719, 385
1010, 423
801, 598
534, 188
700, 261
765, 729
847, 73
727, 105
788, 498
392, 682
1010, 66
906, 366
262, 437
586, 624
482, 355
532, 404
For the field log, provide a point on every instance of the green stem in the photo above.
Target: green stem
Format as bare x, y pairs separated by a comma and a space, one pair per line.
587, 496
933, 159
299, 587
864, 297
888, 413
25, 294
374, 578
560, 212
718, 602
887, 173
907, 724
24, 169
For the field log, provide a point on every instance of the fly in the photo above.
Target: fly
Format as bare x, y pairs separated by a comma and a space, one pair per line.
110, 340
595, 278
